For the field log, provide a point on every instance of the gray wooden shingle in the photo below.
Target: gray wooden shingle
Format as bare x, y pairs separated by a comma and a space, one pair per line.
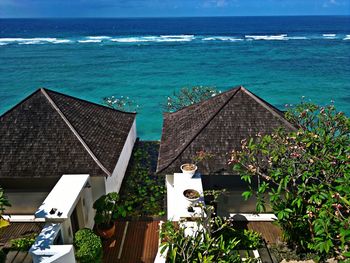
216, 125
49, 134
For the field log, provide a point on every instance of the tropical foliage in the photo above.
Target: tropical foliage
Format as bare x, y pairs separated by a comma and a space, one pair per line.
23, 243
4, 202
121, 103
88, 246
108, 208
214, 239
143, 192
188, 96
306, 174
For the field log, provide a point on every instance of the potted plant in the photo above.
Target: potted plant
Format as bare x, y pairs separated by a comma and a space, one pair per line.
191, 195
191, 168
108, 209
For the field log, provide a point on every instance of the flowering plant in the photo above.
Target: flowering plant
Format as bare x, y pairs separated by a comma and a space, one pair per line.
188, 96
306, 174
121, 103
202, 156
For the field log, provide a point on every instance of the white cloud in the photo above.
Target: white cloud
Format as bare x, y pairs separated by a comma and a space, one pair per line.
329, 3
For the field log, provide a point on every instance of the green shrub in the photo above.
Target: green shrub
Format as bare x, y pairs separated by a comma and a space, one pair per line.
23, 243
306, 176
88, 246
2, 256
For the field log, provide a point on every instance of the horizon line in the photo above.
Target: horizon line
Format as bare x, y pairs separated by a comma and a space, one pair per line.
150, 17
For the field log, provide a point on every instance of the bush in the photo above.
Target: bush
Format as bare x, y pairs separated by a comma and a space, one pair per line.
23, 243
2, 256
306, 174
88, 246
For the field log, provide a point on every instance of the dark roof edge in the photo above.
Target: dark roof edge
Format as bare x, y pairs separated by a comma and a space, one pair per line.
77, 135
199, 130
90, 102
274, 111
192, 105
19, 103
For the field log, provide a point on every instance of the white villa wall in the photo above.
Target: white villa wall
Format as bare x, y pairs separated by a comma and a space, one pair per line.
84, 209
24, 203
98, 187
114, 182
67, 233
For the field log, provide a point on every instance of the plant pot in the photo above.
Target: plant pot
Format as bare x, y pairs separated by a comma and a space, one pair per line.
106, 233
189, 169
191, 195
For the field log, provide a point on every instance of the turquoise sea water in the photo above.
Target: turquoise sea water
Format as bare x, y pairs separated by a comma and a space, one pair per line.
279, 59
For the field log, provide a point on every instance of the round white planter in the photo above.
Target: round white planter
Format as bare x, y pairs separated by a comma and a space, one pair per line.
188, 173
192, 200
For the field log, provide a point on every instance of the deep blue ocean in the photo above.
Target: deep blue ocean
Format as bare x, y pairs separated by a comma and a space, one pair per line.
280, 59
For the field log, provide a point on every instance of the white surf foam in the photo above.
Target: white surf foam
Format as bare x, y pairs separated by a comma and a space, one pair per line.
128, 40
329, 36
347, 37
168, 38
90, 41
233, 39
32, 41
177, 36
98, 37
297, 38
267, 37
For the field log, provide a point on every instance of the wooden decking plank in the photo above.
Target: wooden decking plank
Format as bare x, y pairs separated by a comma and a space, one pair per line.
16, 230
112, 246
151, 242
140, 245
270, 232
20, 257
11, 256
28, 259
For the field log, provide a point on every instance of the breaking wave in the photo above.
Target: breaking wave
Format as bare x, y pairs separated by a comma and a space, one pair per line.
33, 41
166, 38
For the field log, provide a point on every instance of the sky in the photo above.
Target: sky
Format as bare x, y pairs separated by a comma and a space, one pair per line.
166, 8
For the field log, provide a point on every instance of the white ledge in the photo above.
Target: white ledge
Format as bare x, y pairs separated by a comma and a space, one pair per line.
253, 217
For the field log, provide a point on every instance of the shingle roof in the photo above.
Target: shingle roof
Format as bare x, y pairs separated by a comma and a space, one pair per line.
49, 134
216, 125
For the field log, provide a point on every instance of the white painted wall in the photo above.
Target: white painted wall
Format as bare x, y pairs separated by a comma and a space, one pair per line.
98, 187
43, 250
114, 182
84, 209
67, 233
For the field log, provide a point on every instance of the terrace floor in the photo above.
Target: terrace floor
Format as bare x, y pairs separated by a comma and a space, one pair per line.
17, 230
271, 233
133, 242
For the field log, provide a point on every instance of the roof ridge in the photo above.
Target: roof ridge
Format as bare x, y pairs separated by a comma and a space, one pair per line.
76, 134
195, 104
272, 109
94, 103
204, 125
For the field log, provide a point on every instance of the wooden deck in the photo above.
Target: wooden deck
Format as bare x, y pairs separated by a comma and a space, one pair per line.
133, 242
17, 230
270, 232
18, 257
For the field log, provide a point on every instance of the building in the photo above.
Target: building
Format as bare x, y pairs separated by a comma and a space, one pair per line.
61, 153
217, 126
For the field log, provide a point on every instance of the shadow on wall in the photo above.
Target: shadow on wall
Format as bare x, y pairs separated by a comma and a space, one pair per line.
231, 201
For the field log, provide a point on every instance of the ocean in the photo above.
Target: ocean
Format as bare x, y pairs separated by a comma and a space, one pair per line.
280, 59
